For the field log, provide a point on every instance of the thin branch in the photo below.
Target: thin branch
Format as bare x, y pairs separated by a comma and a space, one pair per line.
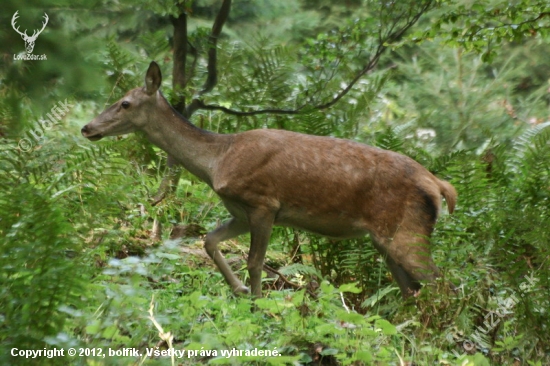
384, 41
192, 51
179, 79
213, 42
212, 107
282, 277
212, 67
344, 302
370, 66
382, 46
518, 25
165, 336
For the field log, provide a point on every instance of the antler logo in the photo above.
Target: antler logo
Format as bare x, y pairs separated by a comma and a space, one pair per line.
29, 40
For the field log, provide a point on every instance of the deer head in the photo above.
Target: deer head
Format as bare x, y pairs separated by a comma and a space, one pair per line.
29, 40
130, 113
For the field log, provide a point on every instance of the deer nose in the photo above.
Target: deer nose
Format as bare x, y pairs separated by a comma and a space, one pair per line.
84, 129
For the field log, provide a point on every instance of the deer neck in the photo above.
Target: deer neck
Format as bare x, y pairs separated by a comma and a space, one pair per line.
195, 149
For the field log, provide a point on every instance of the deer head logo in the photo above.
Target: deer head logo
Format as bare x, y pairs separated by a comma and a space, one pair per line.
29, 40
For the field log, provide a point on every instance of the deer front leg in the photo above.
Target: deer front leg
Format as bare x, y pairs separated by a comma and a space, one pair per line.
229, 230
261, 224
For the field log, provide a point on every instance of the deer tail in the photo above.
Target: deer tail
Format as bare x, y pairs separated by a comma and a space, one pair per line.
449, 192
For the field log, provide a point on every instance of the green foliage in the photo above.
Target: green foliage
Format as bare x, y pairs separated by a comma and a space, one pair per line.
484, 25
45, 276
37, 267
299, 269
298, 327
457, 97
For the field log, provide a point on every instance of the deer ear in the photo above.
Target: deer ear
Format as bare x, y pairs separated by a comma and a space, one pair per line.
153, 78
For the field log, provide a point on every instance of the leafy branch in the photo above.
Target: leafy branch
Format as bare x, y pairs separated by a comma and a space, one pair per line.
483, 26
399, 20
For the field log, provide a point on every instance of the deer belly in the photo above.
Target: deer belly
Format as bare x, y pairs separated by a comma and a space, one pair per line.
338, 226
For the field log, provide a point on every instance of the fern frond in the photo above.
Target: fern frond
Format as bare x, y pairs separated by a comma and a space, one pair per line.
122, 68
314, 123
523, 145
264, 78
35, 239
298, 268
155, 44
389, 140
469, 176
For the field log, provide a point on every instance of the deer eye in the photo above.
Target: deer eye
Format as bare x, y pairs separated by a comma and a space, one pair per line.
125, 104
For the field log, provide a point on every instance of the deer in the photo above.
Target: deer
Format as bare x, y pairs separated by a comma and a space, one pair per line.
333, 187
29, 40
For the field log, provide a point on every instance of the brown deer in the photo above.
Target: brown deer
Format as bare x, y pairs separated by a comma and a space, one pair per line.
333, 187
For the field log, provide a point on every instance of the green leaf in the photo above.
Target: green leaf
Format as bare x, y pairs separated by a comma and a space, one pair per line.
93, 327
364, 356
386, 327
109, 332
350, 287
329, 352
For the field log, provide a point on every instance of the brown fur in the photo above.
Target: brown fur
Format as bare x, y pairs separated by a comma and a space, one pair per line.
332, 187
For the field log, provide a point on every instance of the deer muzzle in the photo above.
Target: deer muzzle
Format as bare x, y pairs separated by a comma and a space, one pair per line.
90, 135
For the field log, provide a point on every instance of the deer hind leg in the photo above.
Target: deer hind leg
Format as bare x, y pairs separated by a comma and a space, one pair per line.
409, 259
407, 284
228, 230
261, 224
